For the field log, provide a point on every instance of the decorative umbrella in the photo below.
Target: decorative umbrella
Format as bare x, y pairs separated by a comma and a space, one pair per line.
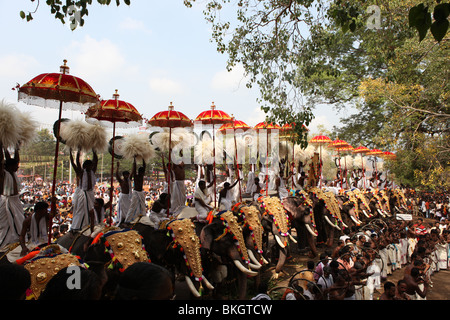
235, 125
268, 127
320, 140
113, 111
214, 116
170, 119
362, 150
58, 91
337, 145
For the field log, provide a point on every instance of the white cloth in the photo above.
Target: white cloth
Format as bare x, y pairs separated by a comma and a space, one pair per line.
442, 254
11, 219
374, 280
38, 233
250, 182
202, 211
137, 206
82, 204
177, 196
157, 217
282, 190
123, 205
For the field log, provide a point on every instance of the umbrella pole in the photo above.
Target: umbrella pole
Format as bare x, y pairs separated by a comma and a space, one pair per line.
169, 170
55, 167
340, 169
364, 172
267, 162
112, 176
320, 167
237, 165
214, 167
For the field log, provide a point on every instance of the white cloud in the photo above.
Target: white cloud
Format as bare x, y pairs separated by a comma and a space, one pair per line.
132, 24
17, 66
255, 117
229, 80
319, 121
166, 86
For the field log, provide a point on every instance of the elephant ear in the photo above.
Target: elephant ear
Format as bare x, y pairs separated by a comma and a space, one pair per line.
276, 210
251, 214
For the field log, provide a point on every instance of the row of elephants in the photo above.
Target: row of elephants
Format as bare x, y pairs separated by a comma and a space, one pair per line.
238, 244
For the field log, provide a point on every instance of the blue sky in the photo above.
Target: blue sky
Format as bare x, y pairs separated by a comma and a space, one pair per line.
153, 52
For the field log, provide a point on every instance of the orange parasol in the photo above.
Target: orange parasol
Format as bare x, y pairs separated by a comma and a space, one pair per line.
236, 125
169, 119
320, 140
58, 91
214, 116
268, 127
113, 111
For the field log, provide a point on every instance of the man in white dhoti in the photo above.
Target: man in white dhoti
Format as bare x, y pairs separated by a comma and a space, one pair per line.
178, 189
37, 226
280, 185
84, 197
11, 208
250, 179
137, 206
124, 202
202, 200
226, 197
256, 189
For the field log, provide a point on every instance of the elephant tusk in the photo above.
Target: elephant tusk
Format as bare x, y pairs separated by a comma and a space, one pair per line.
207, 283
328, 221
244, 269
310, 230
386, 213
253, 259
365, 213
254, 266
403, 206
344, 225
381, 212
292, 238
264, 260
281, 244
355, 220
192, 287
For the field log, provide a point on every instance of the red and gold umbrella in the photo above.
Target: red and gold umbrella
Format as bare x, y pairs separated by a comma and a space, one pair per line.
320, 140
213, 117
60, 91
362, 150
388, 155
269, 128
235, 125
170, 119
112, 112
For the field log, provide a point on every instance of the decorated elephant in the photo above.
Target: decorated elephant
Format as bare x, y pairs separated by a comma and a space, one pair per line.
299, 208
224, 248
275, 221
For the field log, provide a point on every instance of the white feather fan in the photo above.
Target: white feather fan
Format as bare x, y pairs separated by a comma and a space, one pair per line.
76, 135
27, 128
358, 163
180, 138
138, 145
203, 151
9, 124
98, 138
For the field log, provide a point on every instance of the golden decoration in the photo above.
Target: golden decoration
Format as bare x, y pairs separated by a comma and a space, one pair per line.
127, 247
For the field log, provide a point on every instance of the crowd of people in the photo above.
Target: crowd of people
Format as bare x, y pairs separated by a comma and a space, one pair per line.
362, 263
354, 270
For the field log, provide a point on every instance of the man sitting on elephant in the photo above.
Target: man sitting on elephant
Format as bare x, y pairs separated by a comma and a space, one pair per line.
202, 200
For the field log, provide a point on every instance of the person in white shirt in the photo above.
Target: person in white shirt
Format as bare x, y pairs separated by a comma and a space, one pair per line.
202, 200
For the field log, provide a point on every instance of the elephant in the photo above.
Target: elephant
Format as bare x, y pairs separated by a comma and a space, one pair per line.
223, 246
275, 221
300, 211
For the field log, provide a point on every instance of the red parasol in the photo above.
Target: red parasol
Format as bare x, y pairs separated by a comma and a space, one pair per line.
268, 127
114, 111
320, 140
362, 150
170, 119
214, 116
236, 125
388, 155
59, 91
